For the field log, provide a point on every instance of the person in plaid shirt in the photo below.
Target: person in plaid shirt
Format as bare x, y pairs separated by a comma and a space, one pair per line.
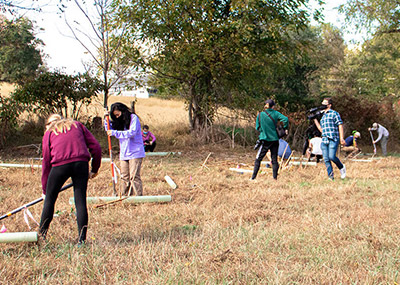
331, 127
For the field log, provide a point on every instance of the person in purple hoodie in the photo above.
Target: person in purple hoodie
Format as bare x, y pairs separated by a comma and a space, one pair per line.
125, 126
65, 155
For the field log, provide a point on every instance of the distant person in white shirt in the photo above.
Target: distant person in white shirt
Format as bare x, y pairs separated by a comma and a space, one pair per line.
315, 148
383, 136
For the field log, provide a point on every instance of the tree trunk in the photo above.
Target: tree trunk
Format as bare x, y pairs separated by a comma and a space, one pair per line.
200, 125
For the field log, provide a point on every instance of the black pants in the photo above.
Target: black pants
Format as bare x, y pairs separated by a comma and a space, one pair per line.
318, 156
150, 147
273, 146
79, 173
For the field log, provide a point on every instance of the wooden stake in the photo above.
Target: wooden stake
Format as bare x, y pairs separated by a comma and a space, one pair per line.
288, 160
204, 163
110, 202
283, 156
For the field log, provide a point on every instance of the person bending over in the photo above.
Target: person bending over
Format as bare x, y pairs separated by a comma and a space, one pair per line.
351, 147
383, 136
125, 126
67, 148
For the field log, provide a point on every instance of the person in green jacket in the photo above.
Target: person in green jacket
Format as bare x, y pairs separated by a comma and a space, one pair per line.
268, 136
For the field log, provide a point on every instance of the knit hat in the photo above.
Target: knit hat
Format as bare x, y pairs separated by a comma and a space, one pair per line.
270, 102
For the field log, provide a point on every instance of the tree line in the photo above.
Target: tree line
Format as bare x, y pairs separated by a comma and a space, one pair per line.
220, 54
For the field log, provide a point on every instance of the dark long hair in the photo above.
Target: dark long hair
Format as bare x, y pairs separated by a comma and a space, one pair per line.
124, 120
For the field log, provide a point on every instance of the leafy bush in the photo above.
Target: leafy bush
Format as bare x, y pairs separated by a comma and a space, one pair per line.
54, 92
359, 114
10, 109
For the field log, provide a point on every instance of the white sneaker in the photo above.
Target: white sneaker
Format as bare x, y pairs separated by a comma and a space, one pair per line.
343, 172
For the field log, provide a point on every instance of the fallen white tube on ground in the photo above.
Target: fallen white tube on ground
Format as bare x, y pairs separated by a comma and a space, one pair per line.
133, 199
240, 170
170, 182
19, 165
311, 163
106, 159
162, 153
19, 237
361, 160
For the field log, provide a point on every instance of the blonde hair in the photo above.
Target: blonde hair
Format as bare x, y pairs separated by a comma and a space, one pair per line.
57, 124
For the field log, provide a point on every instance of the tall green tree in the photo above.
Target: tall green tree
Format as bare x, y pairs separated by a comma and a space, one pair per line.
373, 15
328, 54
20, 55
213, 53
375, 69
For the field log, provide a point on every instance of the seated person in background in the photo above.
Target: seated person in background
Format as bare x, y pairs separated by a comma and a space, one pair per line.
311, 132
314, 148
284, 152
351, 148
149, 140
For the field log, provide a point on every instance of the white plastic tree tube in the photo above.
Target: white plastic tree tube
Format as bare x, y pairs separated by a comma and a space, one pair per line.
132, 200
241, 170
311, 163
361, 160
19, 237
105, 159
20, 165
170, 182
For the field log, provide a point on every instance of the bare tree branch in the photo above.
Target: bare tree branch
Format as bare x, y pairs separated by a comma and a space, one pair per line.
102, 42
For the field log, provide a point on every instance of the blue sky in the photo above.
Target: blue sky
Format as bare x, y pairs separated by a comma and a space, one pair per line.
65, 53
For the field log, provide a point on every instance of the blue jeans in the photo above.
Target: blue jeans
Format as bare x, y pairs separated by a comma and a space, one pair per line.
329, 153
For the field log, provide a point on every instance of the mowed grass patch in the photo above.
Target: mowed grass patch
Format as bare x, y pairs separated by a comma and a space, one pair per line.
219, 228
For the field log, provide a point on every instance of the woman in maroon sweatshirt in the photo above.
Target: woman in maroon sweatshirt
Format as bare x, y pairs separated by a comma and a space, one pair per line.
65, 154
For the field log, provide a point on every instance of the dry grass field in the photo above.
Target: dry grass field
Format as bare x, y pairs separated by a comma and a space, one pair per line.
167, 119
152, 111
219, 228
